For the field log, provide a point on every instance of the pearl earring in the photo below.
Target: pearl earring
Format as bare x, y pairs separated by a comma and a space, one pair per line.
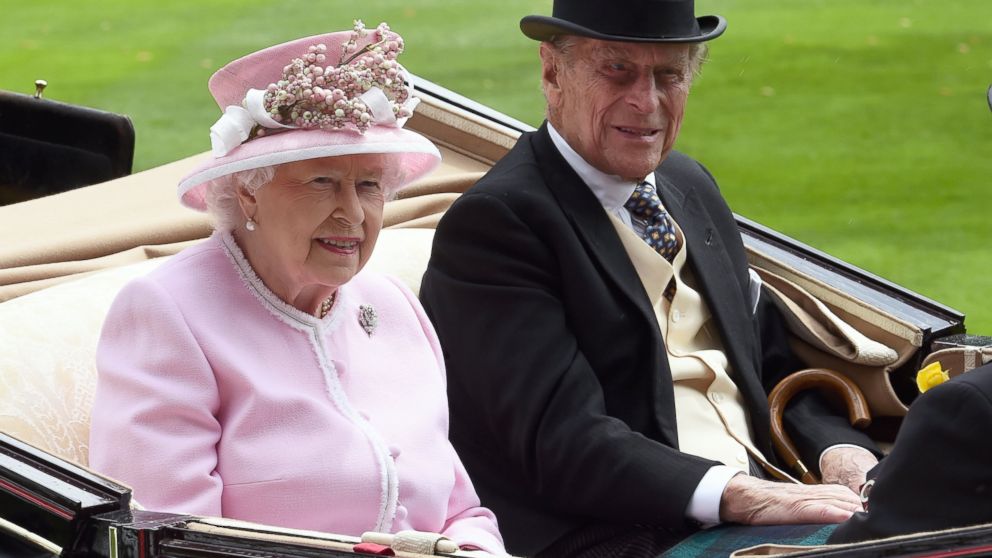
250, 225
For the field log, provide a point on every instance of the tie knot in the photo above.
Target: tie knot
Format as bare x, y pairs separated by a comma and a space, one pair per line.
644, 202
659, 230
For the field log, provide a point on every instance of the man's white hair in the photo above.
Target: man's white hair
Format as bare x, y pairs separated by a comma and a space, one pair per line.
564, 44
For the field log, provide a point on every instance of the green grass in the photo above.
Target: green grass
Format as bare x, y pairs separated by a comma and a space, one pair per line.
858, 126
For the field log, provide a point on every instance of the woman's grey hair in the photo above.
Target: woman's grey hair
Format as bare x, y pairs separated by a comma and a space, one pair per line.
222, 193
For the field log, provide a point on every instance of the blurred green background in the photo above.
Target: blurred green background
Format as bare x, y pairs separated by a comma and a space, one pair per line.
857, 126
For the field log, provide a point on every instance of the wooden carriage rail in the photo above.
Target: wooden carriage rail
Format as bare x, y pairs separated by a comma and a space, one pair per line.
462, 125
449, 97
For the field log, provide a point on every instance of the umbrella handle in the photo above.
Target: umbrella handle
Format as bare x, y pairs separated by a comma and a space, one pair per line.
812, 378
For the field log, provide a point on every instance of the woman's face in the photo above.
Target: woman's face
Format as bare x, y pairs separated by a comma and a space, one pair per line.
317, 222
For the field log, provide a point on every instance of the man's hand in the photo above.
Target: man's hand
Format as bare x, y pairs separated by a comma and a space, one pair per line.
753, 501
847, 466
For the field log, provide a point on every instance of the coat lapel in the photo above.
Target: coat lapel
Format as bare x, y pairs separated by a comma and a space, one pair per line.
593, 226
717, 279
590, 220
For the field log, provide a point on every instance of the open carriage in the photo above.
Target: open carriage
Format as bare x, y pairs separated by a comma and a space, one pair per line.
60, 267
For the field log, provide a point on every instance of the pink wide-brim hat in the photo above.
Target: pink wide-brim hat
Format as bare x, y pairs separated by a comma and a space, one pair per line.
409, 155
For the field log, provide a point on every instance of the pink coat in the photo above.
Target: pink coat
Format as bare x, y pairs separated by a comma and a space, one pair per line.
217, 398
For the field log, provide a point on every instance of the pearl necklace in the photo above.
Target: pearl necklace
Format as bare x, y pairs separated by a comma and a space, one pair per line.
325, 306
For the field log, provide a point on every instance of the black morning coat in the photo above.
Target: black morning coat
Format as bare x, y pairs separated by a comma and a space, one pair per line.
939, 472
562, 406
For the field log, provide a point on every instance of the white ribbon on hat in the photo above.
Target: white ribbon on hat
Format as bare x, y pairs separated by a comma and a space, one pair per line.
379, 104
235, 125
255, 103
231, 130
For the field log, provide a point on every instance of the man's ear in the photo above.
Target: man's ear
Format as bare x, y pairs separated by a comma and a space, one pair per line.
550, 73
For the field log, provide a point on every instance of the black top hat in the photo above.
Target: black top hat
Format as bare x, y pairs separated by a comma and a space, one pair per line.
642, 21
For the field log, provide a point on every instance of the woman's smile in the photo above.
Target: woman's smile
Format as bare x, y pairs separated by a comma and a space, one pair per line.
339, 245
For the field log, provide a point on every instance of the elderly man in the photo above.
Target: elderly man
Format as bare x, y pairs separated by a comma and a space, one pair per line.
608, 350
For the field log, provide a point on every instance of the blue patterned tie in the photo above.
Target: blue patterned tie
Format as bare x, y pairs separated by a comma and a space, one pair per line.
659, 231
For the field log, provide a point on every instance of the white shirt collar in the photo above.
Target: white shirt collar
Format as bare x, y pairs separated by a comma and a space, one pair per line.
611, 190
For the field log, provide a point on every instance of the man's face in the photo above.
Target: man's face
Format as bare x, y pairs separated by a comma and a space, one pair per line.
619, 105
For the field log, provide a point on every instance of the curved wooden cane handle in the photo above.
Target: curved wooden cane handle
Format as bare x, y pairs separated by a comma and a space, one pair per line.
812, 378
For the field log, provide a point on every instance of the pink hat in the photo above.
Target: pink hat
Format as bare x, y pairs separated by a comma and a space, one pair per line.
283, 104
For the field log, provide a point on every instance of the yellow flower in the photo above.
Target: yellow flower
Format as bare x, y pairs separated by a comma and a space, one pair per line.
932, 375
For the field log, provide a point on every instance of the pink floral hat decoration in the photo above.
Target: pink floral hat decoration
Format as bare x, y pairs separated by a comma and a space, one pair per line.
328, 95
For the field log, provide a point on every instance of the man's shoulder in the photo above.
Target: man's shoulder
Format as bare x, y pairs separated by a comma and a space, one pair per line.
519, 180
682, 170
520, 164
528, 185
676, 160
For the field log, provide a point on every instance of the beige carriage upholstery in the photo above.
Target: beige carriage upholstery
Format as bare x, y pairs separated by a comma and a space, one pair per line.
63, 258
833, 330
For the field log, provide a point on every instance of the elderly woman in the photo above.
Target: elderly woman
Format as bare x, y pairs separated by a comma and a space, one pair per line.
260, 375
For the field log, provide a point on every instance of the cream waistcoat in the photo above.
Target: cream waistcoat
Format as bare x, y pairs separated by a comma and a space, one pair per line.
710, 413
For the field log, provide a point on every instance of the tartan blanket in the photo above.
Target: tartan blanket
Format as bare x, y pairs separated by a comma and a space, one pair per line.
722, 540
